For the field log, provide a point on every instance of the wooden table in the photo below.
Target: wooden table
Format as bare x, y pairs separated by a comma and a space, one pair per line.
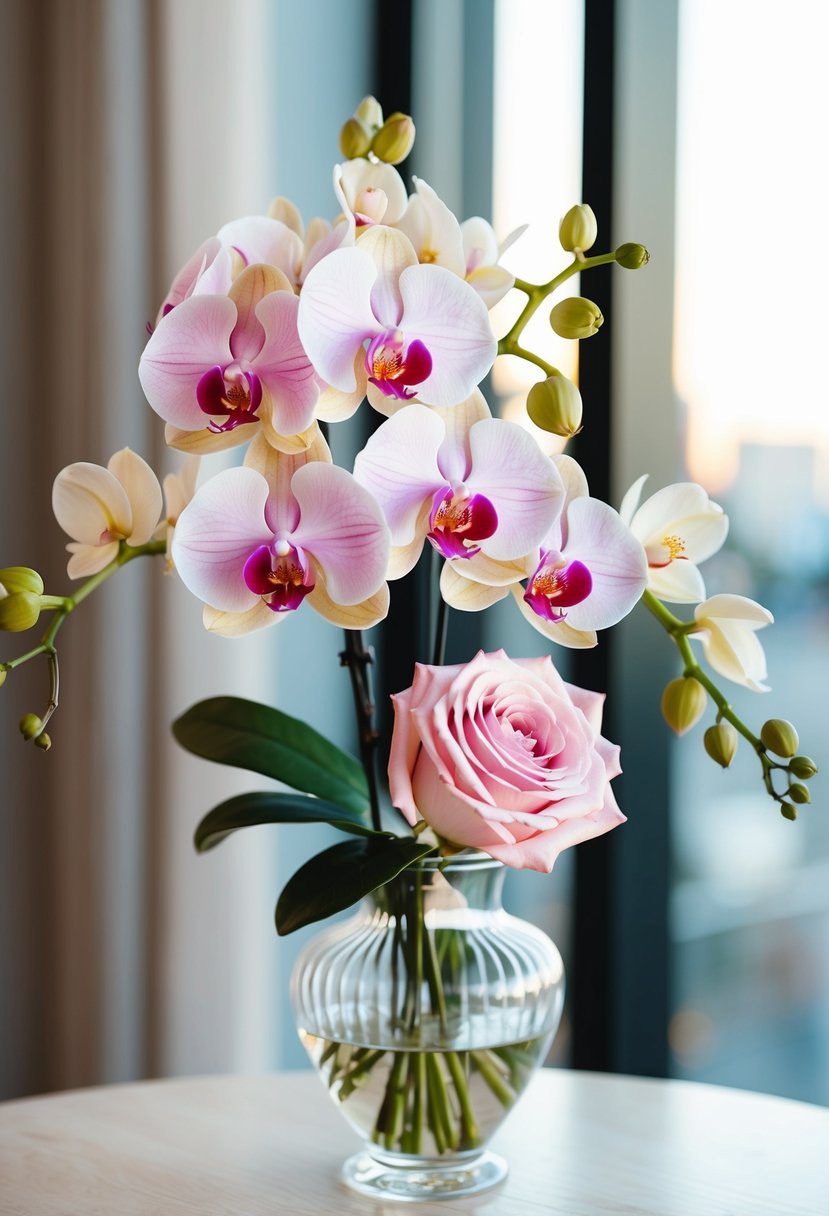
579, 1144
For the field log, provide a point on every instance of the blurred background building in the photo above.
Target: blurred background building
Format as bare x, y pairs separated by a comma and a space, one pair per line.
131, 129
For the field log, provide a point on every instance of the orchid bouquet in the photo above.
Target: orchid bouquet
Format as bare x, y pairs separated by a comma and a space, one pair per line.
272, 333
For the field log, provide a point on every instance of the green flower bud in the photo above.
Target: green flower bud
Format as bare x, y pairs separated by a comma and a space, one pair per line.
355, 140
370, 113
799, 793
30, 726
803, 767
3, 674
576, 318
19, 611
393, 142
721, 743
555, 405
632, 256
20, 578
578, 230
788, 811
780, 737
683, 704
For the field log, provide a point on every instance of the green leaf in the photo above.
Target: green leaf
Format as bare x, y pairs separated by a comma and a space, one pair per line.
250, 810
247, 735
339, 876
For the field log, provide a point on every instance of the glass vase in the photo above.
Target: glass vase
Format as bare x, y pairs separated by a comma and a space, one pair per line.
426, 1015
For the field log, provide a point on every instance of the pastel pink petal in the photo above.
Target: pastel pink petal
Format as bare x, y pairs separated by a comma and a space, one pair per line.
616, 561
454, 457
452, 322
342, 527
217, 278
452, 814
143, 491
262, 239
335, 315
521, 483
391, 251
192, 338
591, 705
540, 852
399, 467
216, 534
190, 273
283, 366
340, 235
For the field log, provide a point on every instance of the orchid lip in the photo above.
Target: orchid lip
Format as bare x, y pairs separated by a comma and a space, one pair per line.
557, 585
394, 365
458, 519
280, 574
235, 398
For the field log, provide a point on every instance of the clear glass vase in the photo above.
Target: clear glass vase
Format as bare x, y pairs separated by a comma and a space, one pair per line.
426, 1015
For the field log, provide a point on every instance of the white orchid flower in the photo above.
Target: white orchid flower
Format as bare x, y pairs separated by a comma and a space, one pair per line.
679, 527
370, 192
482, 255
433, 230
727, 627
100, 507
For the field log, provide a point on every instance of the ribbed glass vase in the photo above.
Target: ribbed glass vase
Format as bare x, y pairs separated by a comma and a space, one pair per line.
426, 1015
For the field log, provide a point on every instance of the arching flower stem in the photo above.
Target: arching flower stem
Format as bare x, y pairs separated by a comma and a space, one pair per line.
358, 659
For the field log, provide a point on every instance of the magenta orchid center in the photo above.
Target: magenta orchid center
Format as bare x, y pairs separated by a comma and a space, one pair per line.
460, 519
229, 394
281, 574
394, 365
556, 585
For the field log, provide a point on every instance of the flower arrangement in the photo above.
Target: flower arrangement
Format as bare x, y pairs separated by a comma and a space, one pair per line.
272, 333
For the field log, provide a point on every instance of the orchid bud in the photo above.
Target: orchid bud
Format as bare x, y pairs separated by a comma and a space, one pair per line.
19, 611
43, 741
632, 256
555, 405
370, 113
799, 793
803, 767
576, 317
788, 811
779, 736
21, 578
394, 141
30, 726
683, 704
579, 229
355, 140
372, 203
721, 743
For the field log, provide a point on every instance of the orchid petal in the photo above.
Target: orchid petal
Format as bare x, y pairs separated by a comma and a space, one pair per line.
179, 488
630, 502
676, 508
616, 561
142, 490
262, 239
480, 244
216, 534
521, 482
87, 560
334, 405
335, 314
338, 237
572, 475
278, 468
343, 528
491, 283
452, 321
367, 613
251, 286
186, 279
205, 441
466, 596
399, 466
237, 624
483, 569
361, 174
677, 583
437, 231
734, 607
455, 457
283, 365
192, 338
392, 252
287, 212
91, 505
557, 631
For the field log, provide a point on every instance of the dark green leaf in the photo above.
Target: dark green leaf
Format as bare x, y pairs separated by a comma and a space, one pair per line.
250, 810
339, 876
247, 735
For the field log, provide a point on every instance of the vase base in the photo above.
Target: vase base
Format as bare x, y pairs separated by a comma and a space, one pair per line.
425, 1180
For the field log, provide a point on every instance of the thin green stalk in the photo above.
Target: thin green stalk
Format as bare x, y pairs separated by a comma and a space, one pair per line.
491, 1074
537, 294
439, 1094
469, 1125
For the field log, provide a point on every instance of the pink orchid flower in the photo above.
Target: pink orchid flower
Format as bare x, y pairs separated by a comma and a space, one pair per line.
586, 574
468, 482
226, 362
420, 330
257, 541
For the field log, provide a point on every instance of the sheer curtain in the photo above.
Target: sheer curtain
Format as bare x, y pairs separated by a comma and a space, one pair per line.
136, 127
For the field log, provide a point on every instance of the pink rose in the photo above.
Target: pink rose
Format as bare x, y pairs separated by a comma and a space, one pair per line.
501, 755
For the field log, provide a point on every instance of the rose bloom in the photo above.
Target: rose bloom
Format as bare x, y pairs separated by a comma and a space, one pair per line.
501, 755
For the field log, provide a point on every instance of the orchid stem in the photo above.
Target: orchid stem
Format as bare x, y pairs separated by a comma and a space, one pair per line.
358, 658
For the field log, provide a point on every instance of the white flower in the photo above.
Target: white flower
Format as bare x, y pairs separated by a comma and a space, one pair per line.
678, 526
727, 630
